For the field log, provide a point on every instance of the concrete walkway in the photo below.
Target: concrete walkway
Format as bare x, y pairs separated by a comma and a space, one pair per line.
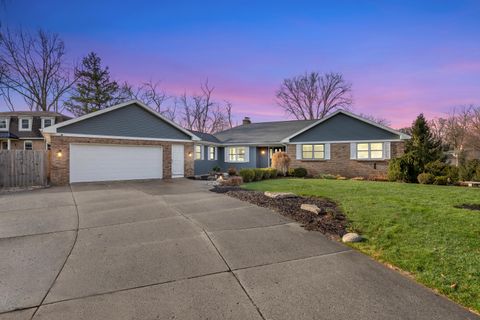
174, 250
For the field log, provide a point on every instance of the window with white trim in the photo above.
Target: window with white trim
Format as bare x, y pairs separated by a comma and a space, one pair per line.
198, 152
4, 124
47, 122
237, 154
313, 151
370, 150
25, 124
28, 145
212, 153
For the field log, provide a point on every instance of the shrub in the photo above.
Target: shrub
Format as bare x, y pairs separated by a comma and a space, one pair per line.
437, 168
281, 162
441, 180
232, 171
300, 172
291, 172
452, 174
426, 178
327, 176
402, 169
470, 170
273, 172
232, 181
266, 173
216, 169
247, 175
258, 174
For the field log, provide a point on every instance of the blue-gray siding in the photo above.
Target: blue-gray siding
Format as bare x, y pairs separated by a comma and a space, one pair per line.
129, 121
205, 166
342, 127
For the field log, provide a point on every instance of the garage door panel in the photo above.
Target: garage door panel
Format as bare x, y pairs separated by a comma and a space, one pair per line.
90, 162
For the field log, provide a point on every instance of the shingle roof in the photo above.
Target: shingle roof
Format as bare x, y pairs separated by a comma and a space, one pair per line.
205, 136
33, 114
262, 132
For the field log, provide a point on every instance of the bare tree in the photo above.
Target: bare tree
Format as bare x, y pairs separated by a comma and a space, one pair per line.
33, 66
313, 95
201, 113
379, 120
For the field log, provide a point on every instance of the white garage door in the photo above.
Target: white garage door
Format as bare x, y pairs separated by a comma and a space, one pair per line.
91, 162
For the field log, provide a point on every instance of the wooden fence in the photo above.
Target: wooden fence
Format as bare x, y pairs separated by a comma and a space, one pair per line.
23, 168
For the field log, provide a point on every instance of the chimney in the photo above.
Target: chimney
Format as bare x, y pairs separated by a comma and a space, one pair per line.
246, 120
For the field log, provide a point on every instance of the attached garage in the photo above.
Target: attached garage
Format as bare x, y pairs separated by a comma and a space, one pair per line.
124, 142
92, 162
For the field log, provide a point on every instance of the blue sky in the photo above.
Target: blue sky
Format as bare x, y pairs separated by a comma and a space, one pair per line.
402, 57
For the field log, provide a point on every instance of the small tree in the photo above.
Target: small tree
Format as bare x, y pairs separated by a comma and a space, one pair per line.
281, 162
94, 90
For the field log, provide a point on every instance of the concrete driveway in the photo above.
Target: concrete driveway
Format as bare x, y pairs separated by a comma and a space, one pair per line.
174, 250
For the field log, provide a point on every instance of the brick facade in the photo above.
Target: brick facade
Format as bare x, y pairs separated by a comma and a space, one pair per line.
341, 164
37, 144
60, 166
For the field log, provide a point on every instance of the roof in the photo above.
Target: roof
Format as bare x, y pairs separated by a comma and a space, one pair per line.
262, 132
33, 114
7, 135
206, 136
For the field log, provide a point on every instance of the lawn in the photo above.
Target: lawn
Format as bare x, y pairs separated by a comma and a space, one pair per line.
413, 227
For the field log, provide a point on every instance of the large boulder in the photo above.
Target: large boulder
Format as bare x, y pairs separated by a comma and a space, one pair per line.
352, 237
280, 195
311, 208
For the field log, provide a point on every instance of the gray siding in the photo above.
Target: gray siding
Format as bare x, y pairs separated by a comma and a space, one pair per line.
262, 159
129, 121
251, 164
205, 166
344, 128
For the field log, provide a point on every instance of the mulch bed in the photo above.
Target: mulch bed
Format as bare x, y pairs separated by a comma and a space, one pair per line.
330, 221
469, 206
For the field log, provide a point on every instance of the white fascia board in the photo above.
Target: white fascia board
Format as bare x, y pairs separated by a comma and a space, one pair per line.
347, 141
53, 129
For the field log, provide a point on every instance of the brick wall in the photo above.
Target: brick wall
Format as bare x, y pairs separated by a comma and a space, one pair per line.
59, 166
37, 144
341, 164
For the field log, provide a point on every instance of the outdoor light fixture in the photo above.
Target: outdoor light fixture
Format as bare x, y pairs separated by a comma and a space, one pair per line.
190, 154
262, 152
59, 154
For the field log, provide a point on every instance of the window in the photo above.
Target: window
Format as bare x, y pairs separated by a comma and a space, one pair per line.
25, 124
212, 153
198, 152
4, 124
313, 151
47, 122
27, 145
366, 151
237, 154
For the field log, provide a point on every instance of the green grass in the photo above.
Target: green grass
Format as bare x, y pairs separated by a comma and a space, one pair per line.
413, 227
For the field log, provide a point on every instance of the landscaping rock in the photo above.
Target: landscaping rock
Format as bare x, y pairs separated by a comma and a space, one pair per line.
280, 195
352, 237
310, 207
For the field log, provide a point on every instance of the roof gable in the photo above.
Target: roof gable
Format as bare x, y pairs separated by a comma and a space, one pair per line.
131, 119
345, 126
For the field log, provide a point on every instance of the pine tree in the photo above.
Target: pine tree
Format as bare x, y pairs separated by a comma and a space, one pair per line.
94, 90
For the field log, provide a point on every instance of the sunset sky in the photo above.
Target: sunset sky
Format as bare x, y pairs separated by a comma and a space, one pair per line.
402, 57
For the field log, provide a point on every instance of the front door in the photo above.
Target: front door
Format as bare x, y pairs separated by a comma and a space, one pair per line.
178, 161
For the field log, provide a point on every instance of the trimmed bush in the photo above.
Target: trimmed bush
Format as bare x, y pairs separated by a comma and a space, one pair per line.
258, 174
248, 175
232, 171
273, 172
290, 172
300, 172
266, 173
426, 178
470, 170
327, 176
441, 180
452, 174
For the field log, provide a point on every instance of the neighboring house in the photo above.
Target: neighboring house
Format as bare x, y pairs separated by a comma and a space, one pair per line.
131, 141
342, 143
20, 130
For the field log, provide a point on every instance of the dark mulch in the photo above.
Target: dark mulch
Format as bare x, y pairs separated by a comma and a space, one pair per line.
331, 221
469, 206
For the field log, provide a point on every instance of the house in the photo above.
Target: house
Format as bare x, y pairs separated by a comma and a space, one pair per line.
131, 141
20, 130
342, 143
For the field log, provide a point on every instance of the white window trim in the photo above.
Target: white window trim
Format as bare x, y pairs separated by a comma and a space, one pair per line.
369, 151
227, 154
326, 151
7, 121
20, 120
202, 151
52, 119
25, 142
313, 151
215, 150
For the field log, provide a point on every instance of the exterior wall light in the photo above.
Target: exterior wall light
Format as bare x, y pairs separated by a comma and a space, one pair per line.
59, 154
262, 152
190, 154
